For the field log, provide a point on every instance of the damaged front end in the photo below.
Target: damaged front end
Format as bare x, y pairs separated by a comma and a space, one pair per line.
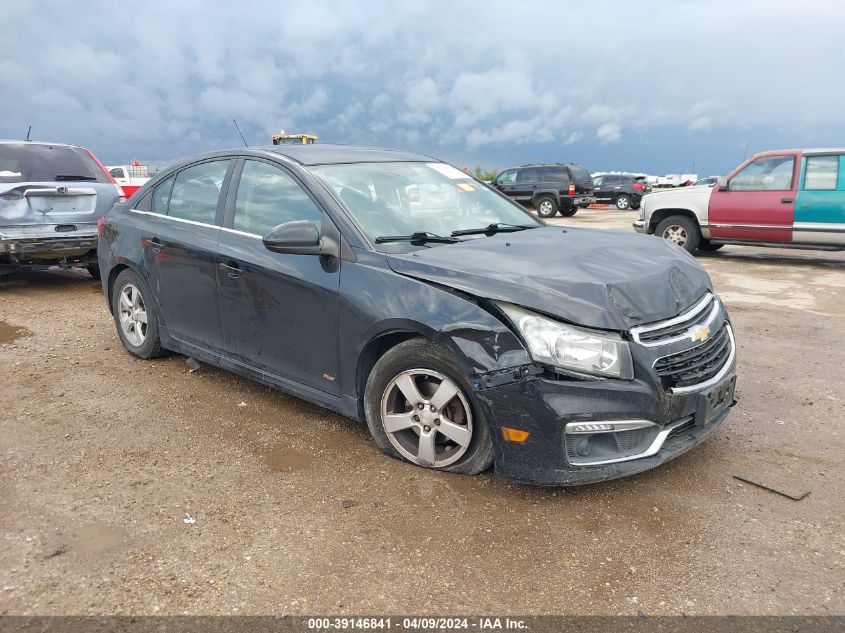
576, 429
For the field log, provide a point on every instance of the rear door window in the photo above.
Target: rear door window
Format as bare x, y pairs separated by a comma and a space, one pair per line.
821, 173
528, 175
267, 196
196, 192
36, 162
161, 196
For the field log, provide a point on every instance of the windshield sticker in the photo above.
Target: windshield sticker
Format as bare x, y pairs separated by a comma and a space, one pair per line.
448, 171
465, 186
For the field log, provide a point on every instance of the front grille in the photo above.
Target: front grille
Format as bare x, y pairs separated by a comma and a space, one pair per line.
697, 364
663, 332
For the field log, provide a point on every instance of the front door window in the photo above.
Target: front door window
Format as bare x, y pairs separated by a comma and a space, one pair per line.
768, 173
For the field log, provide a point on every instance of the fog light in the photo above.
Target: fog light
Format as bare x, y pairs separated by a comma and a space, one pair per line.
589, 427
584, 447
514, 435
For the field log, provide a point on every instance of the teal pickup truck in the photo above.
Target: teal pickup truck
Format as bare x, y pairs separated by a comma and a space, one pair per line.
786, 198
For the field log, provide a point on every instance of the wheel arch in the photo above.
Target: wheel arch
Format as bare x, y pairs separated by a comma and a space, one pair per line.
658, 215
376, 347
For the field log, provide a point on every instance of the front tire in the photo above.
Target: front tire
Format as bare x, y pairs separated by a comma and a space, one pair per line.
623, 202
135, 316
680, 230
568, 213
93, 270
421, 409
546, 206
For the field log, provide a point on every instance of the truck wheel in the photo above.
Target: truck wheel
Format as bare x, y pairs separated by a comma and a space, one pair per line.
623, 202
680, 230
93, 270
568, 213
546, 206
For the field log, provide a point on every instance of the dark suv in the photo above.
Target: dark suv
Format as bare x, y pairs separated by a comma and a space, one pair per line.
548, 188
621, 190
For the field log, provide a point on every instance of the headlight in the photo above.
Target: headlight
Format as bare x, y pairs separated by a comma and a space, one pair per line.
570, 348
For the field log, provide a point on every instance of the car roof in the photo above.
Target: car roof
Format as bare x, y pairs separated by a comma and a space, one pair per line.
330, 154
812, 151
14, 142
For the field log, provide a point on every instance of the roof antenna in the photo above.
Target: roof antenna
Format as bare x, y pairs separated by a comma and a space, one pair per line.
239, 131
27, 134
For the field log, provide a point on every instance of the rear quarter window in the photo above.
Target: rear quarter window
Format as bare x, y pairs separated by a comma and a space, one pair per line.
35, 162
579, 174
555, 174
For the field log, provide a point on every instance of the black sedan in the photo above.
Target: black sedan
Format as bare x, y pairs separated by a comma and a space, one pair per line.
397, 290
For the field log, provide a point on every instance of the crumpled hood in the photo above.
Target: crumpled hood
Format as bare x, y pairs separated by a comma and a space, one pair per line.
589, 277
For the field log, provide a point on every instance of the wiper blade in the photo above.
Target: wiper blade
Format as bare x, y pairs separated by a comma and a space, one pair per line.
497, 227
420, 237
61, 177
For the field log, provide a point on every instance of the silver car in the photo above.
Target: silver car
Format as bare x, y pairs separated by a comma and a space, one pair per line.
51, 199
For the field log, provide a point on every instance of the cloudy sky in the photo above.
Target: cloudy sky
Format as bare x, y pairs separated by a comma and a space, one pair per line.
643, 86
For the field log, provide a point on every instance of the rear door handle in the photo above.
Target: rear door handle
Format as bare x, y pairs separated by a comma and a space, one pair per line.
231, 269
787, 200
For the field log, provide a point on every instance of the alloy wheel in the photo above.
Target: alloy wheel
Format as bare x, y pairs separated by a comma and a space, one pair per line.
546, 207
133, 315
623, 202
426, 417
676, 234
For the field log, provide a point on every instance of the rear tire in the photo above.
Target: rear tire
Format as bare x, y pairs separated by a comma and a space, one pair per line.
546, 206
568, 213
623, 202
680, 230
135, 316
93, 270
459, 438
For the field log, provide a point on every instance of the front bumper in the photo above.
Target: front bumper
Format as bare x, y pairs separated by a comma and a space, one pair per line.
543, 406
640, 226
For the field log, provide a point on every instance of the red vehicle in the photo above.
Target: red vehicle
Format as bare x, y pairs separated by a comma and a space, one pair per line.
787, 198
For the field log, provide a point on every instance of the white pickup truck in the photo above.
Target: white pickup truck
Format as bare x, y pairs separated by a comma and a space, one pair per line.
129, 177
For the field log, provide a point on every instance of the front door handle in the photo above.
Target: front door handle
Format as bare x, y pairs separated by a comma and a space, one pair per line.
787, 200
232, 270
155, 245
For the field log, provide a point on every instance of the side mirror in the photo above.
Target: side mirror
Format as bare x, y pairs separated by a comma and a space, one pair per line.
722, 183
300, 237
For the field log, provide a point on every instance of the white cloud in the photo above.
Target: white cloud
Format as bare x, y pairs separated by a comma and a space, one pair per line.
574, 138
609, 132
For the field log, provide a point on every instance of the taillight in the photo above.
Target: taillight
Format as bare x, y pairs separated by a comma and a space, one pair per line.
638, 186
571, 188
101, 224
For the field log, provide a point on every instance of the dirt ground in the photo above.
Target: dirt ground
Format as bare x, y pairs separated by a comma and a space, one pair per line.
103, 458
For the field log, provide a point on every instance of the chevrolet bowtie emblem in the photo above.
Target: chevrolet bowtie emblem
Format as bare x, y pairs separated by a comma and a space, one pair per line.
700, 333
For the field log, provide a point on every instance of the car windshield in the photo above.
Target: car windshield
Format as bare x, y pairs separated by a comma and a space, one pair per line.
411, 198
36, 162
